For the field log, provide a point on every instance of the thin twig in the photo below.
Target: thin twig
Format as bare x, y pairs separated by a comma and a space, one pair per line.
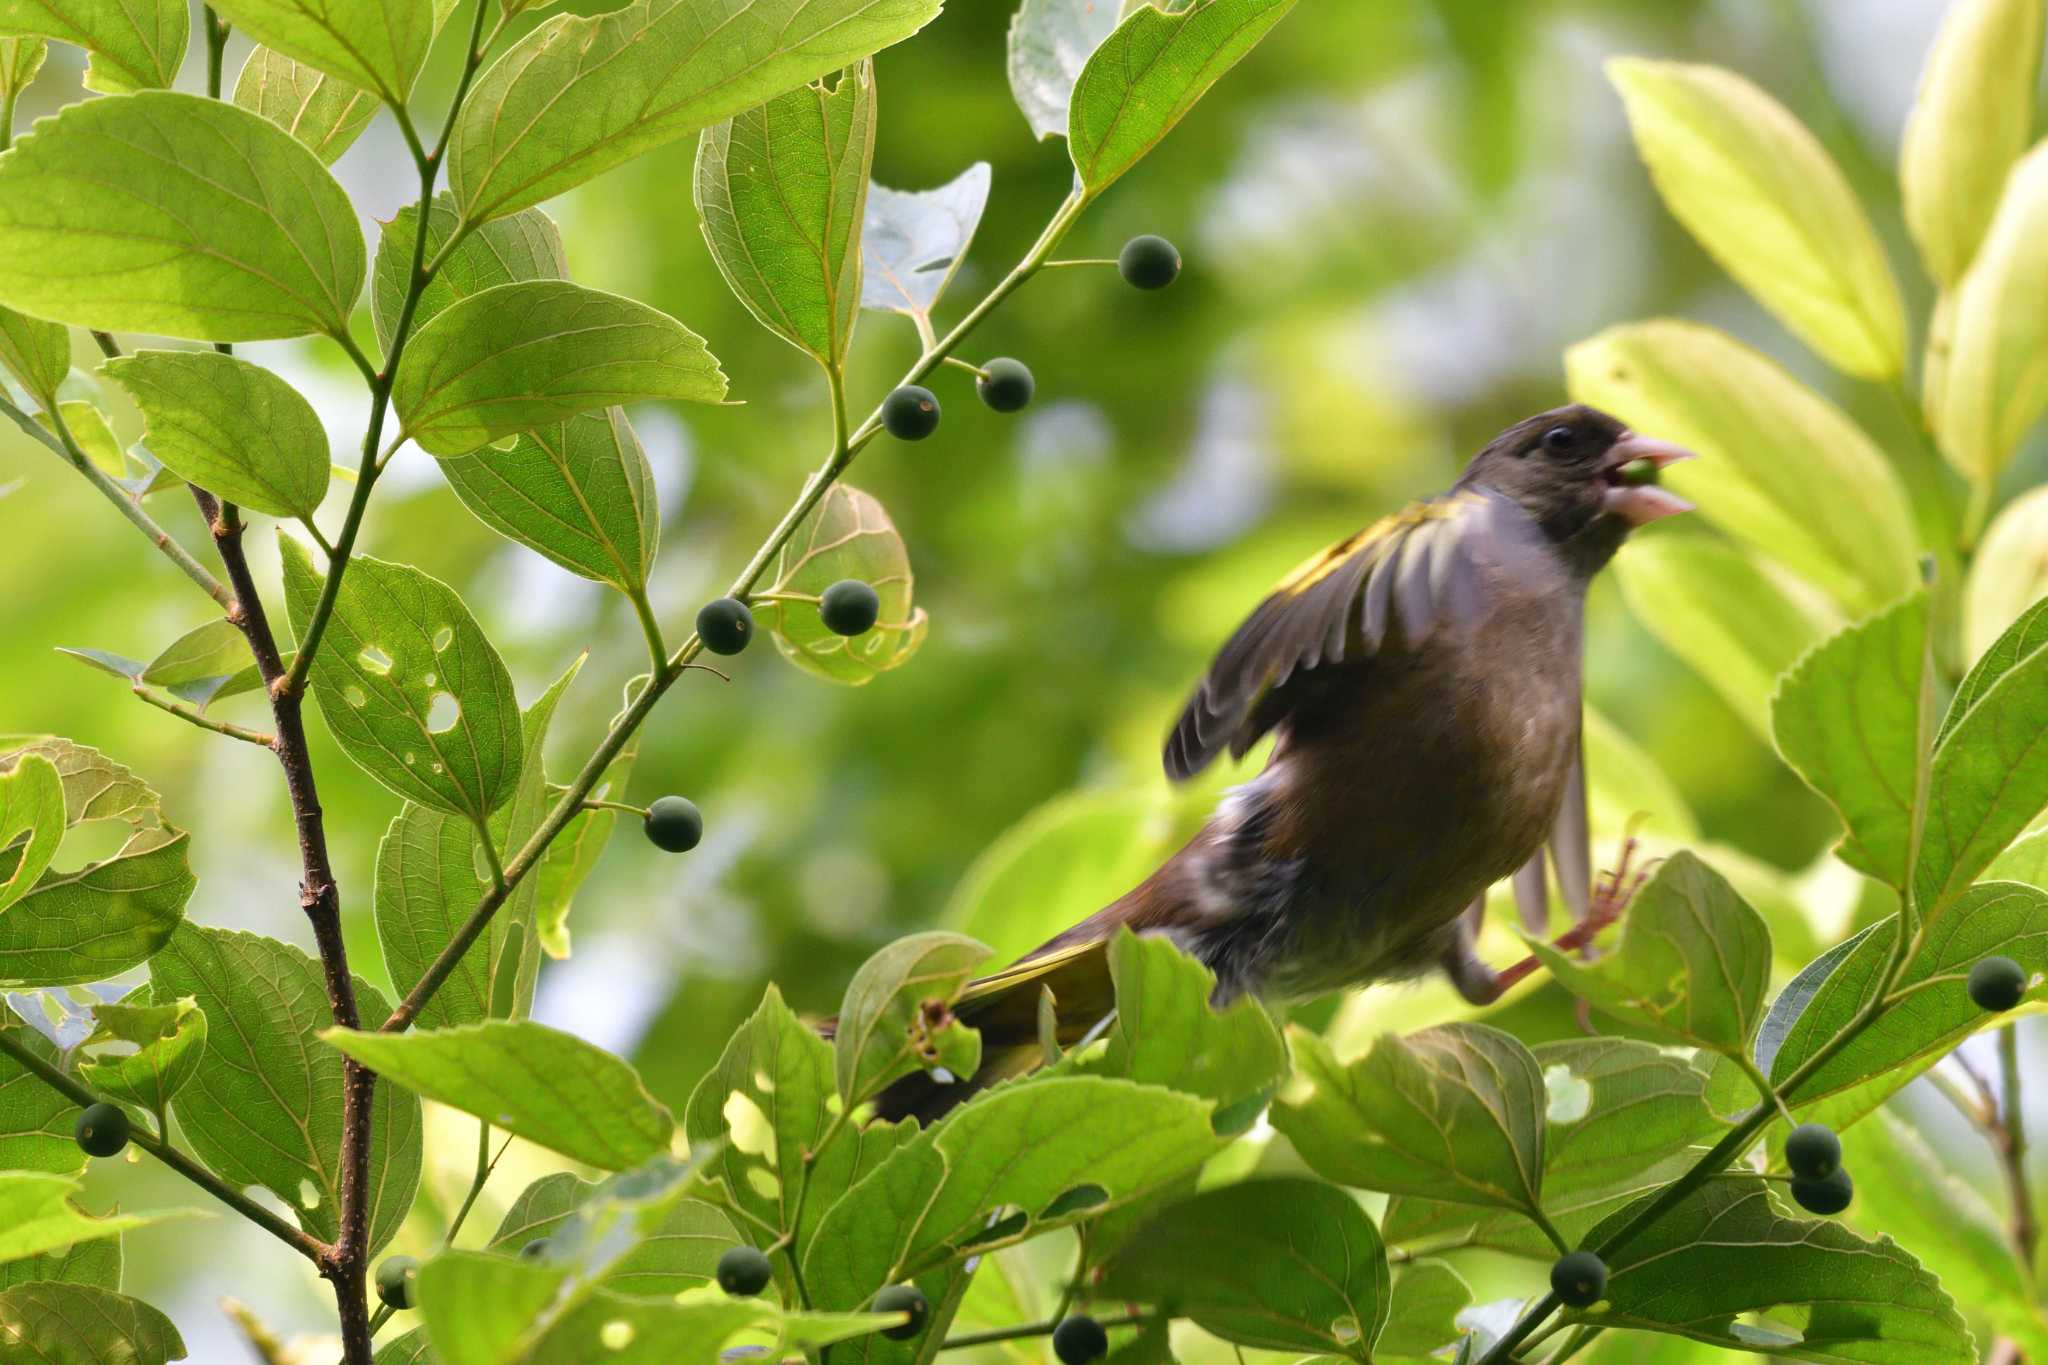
193, 716
1036, 1329
2011, 1145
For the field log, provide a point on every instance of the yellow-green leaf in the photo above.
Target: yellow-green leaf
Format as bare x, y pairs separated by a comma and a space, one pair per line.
379, 45
31, 824
849, 535
2009, 572
35, 352
231, 427
135, 44
322, 111
168, 1042
37, 1215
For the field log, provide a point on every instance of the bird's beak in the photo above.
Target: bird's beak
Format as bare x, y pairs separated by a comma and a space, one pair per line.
1638, 503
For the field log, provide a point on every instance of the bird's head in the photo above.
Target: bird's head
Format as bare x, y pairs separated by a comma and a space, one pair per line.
1586, 479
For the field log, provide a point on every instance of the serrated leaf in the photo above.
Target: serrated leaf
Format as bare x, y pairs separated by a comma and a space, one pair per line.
2007, 574
135, 44
1771, 449
1281, 1264
780, 191
1147, 75
544, 1085
577, 96
75, 1324
233, 428
1692, 966
36, 353
524, 246
849, 535
37, 1215
893, 1004
175, 215
912, 241
379, 45
264, 1106
101, 920
1050, 41
520, 356
680, 1253
95, 786
1761, 195
322, 111
1452, 1113
169, 1042
32, 823
95, 1264
400, 648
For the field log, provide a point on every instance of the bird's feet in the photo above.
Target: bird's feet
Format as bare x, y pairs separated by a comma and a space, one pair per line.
1612, 892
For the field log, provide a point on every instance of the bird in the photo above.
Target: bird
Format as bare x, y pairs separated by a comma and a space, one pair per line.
1421, 682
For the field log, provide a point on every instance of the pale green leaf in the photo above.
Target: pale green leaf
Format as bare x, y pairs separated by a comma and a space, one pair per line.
1050, 41
849, 535
177, 215
101, 920
524, 246
95, 786
539, 1083
1149, 73
169, 1042
2008, 573
75, 1324
322, 111
205, 664
233, 428
90, 431
893, 1005
379, 45
520, 356
20, 60
1753, 185
573, 855
912, 241
577, 96
410, 685
780, 192
36, 353
135, 44
32, 823
680, 1253
37, 1215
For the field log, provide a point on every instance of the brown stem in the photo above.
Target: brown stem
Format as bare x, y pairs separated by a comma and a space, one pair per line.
2010, 1142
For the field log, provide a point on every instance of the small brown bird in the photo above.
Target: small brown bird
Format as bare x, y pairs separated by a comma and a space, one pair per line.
1421, 680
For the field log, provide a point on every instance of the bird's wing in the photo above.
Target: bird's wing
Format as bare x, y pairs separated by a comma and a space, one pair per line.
1423, 569
1570, 853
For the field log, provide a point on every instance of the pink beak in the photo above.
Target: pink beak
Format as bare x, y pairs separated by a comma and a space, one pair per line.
1639, 504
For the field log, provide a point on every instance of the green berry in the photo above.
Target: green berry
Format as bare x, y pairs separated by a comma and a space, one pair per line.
534, 1250
849, 607
395, 1280
725, 625
1079, 1339
675, 824
910, 413
1148, 262
102, 1130
1579, 1279
1637, 473
903, 1298
744, 1272
1813, 1151
1827, 1196
1997, 983
1007, 384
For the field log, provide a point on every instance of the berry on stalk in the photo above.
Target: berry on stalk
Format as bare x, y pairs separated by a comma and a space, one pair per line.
674, 824
725, 625
910, 413
849, 607
1148, 262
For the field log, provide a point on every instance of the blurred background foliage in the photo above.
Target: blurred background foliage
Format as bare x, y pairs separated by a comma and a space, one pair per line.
1395, 216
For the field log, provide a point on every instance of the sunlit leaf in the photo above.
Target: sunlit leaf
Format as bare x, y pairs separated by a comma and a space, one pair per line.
20, 60
2008, 573
31, 823
135, 44
90, 431
233, 428
37, 1215
893, 1004
912, 241
680, 1253
168, 1041
322, 111
523, 246
379, 45
75, 1324
101, 920
1050, 41
850, 535
36, 353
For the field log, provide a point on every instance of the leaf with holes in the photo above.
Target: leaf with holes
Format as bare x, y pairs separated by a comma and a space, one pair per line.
63, 1323
892, 1005
233, 428
379, 45
263, 1106
849, 535
176, 215
168, 1042
1282, 1265
1050, 41
410, 685
912, 241
322, 111
521, 356
525, 246
544, 1085
135, 44
32, 824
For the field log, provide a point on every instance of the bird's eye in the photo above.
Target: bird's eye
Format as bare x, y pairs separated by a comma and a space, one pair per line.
1558, 438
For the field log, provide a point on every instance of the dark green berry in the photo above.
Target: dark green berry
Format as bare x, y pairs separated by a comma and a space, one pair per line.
674, 823
725, 625
395, 1280
1079, 1339
1148, 262
1813, 1151
102, 1129
1006, 385
910, 413
534, 1250
849, 607
1827, 1196
1997, 983
1579, 1279
744, 1272
903, 1298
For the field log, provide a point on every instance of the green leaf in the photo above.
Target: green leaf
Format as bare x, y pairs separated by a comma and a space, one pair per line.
544, 1085
894, 1003
379, 45
169, 1042
400, 654
95, 787
37, 1215
1852, 718
912, 241
96, 1264
938, 1197
32, 816
1994, 382
176, 215
1452, 1113
1753, 185
36, 1121
233, 428
1771, 450
1735, 620
521, 356
135, 44
20, 60
1825, 1293
1050, 41
1147, 75
1422, 1313
525, 246
1693, 964
90, 431
97, 922
1282, 1264
264, 1106
573, 854
849, 535
1972, 120
680, 1253
576, 97
780, 191
322, 111
75, 1324
36, 353
2007, 574
205, 664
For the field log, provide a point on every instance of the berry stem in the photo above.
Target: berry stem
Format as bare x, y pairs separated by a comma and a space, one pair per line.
1088, 260
957, 363
626, 806
1037, 1329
